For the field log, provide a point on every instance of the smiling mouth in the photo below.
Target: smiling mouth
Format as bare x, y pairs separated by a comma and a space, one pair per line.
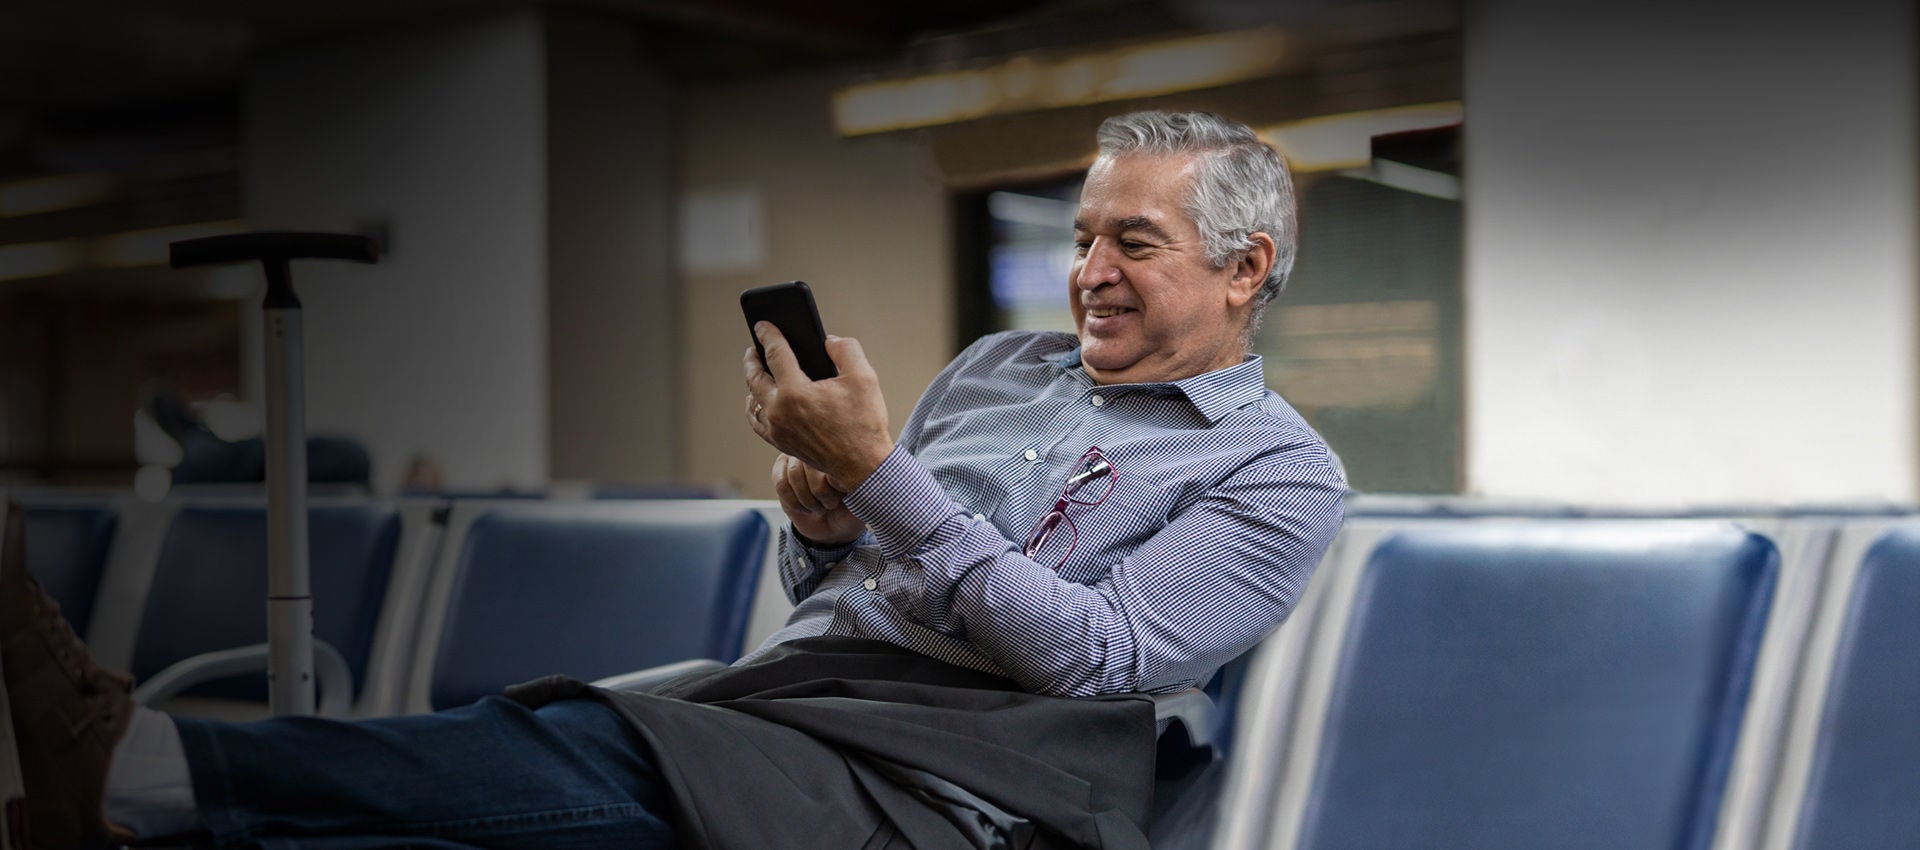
1106, 312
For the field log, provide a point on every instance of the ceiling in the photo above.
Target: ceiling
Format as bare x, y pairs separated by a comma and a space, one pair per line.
165, 74
74, 69
85, 82
73, 56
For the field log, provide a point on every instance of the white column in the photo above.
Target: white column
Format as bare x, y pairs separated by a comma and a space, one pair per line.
1690, 264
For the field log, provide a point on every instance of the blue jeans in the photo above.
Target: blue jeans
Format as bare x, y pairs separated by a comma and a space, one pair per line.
494, 774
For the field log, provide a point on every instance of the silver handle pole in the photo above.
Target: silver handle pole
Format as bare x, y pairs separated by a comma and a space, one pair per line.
289, 592
290, 674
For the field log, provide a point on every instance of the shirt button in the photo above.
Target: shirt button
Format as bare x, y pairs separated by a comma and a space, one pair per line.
870, 584
1099, 400
1032, 455
980, 517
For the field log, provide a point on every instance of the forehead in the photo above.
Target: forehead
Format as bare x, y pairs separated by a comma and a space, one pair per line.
1130, 187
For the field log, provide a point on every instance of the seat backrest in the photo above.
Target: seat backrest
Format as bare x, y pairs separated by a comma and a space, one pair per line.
67, 543
209, 585
1863, 779
1530, 684
1225, 805
588, 589
1806, 546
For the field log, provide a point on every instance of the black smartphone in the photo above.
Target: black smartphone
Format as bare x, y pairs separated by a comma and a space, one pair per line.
789, 306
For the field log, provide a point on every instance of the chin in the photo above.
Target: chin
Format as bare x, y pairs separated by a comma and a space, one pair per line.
1104, 357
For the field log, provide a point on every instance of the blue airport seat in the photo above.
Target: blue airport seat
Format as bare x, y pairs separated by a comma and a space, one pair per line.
1224, 689
1186, 794
209, 586
67, 543
1865, 775
1539, 684
589, 589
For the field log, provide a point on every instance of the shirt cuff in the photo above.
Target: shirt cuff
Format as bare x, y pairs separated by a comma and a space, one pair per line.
820, 557
901, 503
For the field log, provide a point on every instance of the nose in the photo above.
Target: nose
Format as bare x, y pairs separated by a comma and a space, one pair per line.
1097, 268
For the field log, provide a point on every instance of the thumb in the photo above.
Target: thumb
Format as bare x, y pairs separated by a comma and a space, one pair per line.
847, 355
781, 362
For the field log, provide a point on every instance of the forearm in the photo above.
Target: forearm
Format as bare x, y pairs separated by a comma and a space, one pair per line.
1051, 635
1203, 588
960, 576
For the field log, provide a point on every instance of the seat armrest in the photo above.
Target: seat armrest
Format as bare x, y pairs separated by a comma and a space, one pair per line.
641, 681
1192, 709
329, 669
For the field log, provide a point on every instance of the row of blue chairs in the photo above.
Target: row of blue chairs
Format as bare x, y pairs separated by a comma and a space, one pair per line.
1452, 678
427, 603
1591, 683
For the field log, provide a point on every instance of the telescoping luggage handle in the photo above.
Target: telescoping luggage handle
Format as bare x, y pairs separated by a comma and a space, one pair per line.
290, 685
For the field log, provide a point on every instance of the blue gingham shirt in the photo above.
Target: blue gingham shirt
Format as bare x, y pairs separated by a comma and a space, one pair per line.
1223, 501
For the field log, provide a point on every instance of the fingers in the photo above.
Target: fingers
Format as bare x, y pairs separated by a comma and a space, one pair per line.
761, 391
848, 356
782, 487
796, 481
780, 359
780, 477
805, 488
802, 488
823, 490
838, 426
758, 380
756, 415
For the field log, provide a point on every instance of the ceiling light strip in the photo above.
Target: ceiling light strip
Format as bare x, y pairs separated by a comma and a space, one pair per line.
1030, 83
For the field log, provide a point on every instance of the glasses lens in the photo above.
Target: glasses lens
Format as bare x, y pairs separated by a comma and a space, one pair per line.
1094, 479
1042, 531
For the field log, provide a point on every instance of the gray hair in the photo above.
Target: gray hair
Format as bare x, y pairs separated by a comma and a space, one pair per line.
1241, 187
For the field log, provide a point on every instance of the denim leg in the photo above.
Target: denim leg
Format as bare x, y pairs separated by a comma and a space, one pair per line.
494, 774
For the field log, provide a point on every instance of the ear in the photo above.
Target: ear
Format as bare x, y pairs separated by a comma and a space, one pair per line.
1250, 273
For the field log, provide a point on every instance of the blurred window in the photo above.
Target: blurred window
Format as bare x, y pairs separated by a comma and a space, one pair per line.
1366, 340
1028, 253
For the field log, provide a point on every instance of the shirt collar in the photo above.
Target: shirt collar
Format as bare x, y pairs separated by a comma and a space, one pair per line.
1215, 394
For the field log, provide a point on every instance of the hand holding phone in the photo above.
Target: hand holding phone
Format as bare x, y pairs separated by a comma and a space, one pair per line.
837, 427
790, 307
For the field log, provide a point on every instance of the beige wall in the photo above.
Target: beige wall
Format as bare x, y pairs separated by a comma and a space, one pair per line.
611, 331
864, 221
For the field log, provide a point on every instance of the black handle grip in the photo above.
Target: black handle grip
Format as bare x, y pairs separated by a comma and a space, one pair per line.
272, 246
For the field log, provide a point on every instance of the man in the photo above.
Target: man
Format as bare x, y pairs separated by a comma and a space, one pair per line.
1115, 511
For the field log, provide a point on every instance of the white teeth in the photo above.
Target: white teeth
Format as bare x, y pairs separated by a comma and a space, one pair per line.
1105, 312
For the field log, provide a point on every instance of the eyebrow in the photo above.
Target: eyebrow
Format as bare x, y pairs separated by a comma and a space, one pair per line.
1144, 225
1133, 222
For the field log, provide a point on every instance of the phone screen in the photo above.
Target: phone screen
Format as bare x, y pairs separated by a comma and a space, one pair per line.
790, 307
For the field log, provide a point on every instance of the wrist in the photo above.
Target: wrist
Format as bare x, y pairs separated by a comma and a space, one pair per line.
850, 475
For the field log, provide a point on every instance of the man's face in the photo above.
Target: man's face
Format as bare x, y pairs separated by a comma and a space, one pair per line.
1147, 304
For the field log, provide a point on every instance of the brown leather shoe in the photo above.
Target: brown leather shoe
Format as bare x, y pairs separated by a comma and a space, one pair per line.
67, 713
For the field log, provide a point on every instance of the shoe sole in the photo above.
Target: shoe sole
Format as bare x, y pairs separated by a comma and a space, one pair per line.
13, 789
